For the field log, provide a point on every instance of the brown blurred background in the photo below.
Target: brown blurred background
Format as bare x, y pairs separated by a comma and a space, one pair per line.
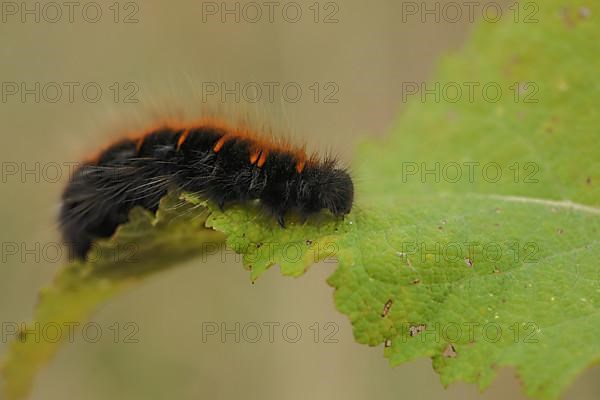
166, 61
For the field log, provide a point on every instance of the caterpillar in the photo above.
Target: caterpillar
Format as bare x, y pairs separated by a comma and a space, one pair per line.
221, 164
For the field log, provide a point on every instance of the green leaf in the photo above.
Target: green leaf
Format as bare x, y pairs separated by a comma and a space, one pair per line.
146, 244
264, 243
443, 257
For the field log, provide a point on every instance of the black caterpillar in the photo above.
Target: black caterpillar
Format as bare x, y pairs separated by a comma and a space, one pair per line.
221, 164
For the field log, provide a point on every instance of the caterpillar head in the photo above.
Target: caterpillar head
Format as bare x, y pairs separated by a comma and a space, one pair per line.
326, 187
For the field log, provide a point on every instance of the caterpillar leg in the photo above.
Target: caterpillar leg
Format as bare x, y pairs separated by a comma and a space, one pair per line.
281, 220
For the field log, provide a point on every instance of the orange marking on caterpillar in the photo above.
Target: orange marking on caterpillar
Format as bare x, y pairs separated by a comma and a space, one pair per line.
220, 144
254, 156
263, 142
182, 138
300, 166
262, 159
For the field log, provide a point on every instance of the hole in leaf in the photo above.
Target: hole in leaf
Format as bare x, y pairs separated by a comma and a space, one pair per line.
450, 351
386, 308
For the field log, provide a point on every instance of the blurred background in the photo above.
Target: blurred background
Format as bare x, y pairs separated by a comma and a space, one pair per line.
103, 68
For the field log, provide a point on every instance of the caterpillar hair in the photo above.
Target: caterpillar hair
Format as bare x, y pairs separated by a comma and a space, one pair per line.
221, 164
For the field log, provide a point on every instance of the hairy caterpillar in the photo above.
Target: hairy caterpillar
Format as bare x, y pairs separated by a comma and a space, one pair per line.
222, 164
